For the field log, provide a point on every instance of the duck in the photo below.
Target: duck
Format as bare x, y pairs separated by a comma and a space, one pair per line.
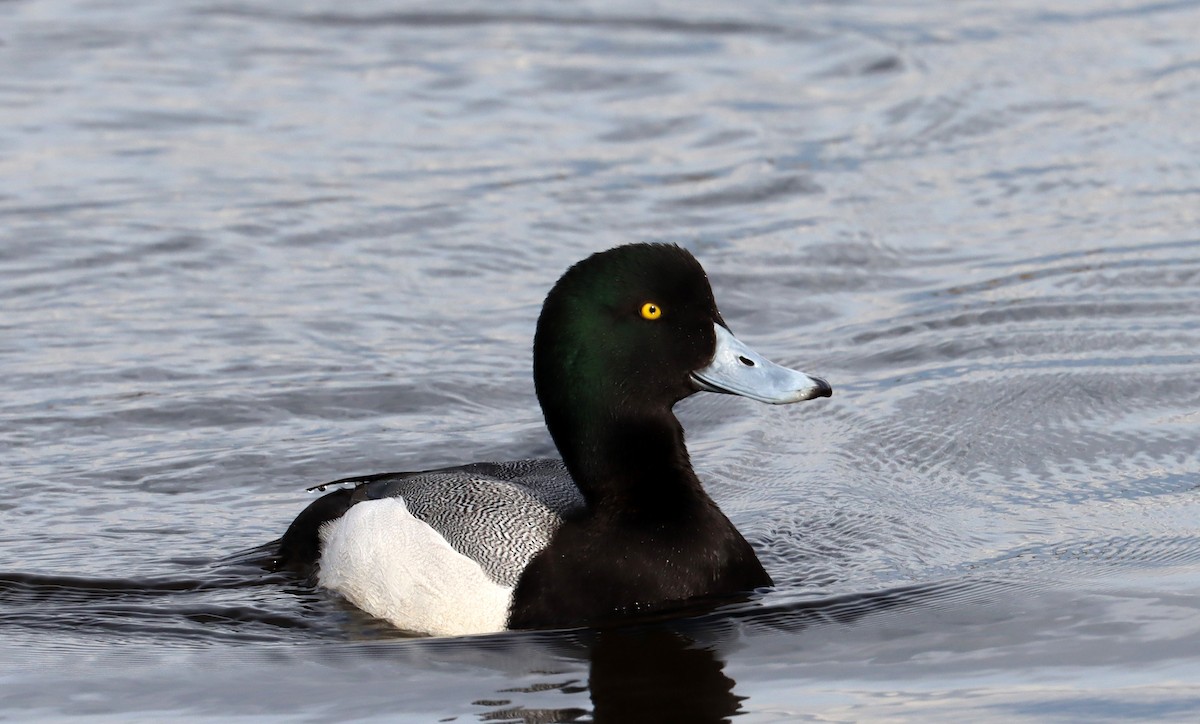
619, 524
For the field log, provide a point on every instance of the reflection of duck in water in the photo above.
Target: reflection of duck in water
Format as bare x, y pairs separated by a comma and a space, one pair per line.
658, 675
636, 674
621, 524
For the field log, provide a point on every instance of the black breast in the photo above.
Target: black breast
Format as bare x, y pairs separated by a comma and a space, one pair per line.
598, 567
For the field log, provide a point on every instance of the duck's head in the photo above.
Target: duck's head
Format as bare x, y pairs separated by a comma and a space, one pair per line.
635, 329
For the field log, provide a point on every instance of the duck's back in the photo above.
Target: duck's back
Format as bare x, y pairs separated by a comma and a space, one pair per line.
436, 551
496, 514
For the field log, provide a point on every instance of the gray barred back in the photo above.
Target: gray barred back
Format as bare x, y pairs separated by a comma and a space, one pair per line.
497, 514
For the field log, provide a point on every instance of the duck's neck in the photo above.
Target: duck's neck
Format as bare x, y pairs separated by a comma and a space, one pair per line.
631, 463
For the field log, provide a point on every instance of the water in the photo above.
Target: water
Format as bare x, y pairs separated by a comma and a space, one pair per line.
246, 248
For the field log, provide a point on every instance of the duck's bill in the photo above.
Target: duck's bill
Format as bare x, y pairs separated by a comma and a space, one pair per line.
738, 370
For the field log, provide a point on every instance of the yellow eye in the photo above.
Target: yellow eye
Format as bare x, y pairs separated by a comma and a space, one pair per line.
650, 310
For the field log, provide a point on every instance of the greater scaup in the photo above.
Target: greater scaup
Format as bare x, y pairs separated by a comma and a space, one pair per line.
620, 524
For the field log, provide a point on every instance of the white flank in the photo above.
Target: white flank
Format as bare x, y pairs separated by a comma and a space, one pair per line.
395, 567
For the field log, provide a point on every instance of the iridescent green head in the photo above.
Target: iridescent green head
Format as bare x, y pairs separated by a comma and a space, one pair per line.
628, 332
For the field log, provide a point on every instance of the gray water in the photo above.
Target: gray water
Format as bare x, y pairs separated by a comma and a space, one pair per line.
248, 247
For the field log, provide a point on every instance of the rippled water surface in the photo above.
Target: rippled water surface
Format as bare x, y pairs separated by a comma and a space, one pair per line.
247, 247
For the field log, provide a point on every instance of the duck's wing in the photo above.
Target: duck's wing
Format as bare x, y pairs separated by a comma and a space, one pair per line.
497, 514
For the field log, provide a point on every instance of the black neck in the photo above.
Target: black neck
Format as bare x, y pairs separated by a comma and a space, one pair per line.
628, 463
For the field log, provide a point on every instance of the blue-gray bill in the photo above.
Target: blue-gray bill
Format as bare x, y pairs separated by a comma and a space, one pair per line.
738, 370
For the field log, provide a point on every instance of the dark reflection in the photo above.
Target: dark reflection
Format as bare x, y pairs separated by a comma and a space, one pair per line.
658, 675
668, 667
637, 674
